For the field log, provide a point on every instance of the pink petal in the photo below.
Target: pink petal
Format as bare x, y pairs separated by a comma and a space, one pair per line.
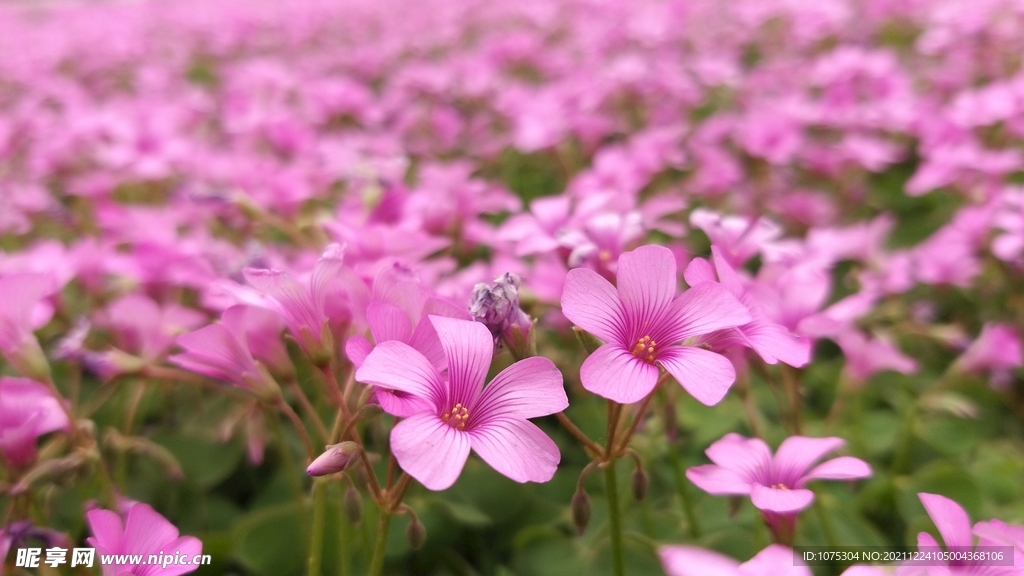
774, 560
146, 531
397, 366
702, 309
749, 458
797, 454
842, 468
647, 283
692, 561
516, 448
590, 302
953, 523
107, 529
717, 480
430, 450
188, 546
727, 275
468, 346
705, 375
527, 389
388, 322
699, 271
614, 373
774, 343
779, 500
402, 404
292, 297
357, 349
326, 271
424, 338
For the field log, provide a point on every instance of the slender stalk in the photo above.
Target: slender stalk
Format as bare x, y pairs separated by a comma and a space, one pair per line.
575, 431
614, 411
333, 390
637, 418
380, 547
176, 375
286, 409
344, 547
316, 543
286, 455
618, 563
793, 391
310, 410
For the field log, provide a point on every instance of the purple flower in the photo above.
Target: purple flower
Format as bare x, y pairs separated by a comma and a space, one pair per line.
144, 533
775, 560
222, 351
643, 322
432, 445
775, 485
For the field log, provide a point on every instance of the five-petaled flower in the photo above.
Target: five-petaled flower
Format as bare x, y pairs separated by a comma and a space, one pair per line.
433, 445
643, 322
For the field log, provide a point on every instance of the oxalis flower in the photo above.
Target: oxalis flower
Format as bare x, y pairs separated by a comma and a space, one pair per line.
745, 466
433, 445
144, 533
642, 323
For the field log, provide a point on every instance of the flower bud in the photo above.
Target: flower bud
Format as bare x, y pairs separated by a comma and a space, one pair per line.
415, 532
353, 505
337, 458
370, 410
640, 483
580, 511
497, 307
587, 340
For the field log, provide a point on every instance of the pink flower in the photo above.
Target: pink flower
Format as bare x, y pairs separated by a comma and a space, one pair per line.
996, 348
145, 532
643, 321
20, 314
775, 485
775, 560
222, 351
304, 309
772, 341
27, 411
433, 445
955, 528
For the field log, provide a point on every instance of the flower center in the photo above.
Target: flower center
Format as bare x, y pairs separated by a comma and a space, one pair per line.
458, 416
644, 349
780, 487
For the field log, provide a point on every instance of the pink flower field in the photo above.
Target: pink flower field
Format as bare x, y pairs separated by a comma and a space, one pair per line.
532, 288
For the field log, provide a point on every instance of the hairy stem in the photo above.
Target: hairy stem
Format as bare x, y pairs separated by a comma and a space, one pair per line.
618, 564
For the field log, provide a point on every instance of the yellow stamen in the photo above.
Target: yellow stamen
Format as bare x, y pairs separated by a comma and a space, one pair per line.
644, 349
458, 417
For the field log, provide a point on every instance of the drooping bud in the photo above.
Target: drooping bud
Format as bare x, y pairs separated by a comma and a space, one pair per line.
370, 410
497, 307
415, 532
353, 505
640, 483
580, 511
337, 458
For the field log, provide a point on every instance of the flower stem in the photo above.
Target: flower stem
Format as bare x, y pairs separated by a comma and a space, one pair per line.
618, 565
344, 548
684, 496
377, 563
316, 544
575, 431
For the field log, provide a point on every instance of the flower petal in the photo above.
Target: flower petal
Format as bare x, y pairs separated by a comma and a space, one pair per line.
953, 523
842, 468
468, 346
357, 349
646, 281
614, 373
780, 501
294, 300
388, 322
699, 271
430, 450
402, 404
692, 561
717, 480
704, 308
705, 375
397, 366
749, 458
107, 529
797, 454
187, 546
325, 272
146, 531
527, 389
590, 302
517, 449
776, 560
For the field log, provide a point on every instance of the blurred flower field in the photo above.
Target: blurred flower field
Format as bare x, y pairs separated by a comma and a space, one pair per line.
458, 287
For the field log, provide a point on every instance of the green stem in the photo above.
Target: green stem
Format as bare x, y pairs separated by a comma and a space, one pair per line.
684, 496
316, 544
377, 564
344, 529
618, 565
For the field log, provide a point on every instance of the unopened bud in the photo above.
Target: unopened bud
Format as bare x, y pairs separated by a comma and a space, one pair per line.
353, 505
640, 483
580, 511
587, 340
415, 532
370, 411
337, 458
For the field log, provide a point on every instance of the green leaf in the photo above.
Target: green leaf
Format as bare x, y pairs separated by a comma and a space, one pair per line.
272, 542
